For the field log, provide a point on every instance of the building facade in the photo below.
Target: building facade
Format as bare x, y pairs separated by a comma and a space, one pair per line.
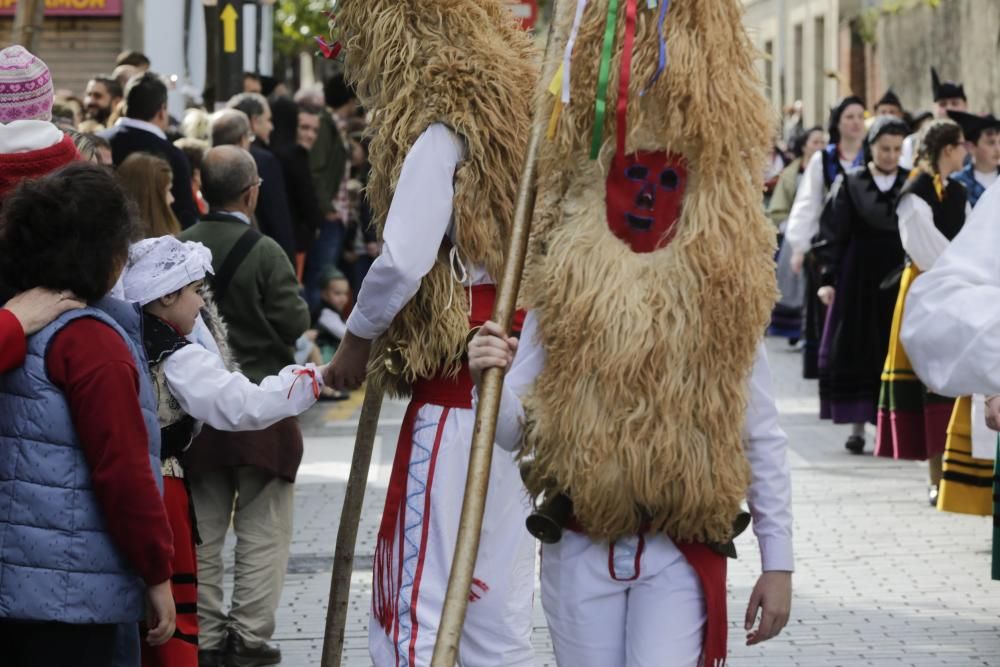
813, 51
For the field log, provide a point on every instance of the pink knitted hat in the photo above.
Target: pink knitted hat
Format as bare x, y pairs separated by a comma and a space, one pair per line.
25, 86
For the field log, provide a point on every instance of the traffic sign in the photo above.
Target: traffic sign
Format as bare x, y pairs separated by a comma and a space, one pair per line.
526, 11
229, 17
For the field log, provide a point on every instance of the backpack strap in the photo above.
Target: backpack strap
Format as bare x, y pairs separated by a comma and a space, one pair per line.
220, 281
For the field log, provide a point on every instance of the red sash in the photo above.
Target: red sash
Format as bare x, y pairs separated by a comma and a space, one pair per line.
449, 393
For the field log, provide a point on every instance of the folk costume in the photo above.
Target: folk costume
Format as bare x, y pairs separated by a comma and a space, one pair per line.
913, 420
804, 224
859, 251
967, 468
450, 84
650, 280
948, 328
194, 386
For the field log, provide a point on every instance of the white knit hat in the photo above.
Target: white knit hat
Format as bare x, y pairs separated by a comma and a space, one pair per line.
25, 86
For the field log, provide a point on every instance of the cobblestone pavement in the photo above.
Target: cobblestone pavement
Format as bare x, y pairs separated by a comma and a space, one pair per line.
882, 579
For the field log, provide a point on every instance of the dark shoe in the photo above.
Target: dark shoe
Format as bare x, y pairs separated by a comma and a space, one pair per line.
932, 495
238, 654
855, 444
214, 658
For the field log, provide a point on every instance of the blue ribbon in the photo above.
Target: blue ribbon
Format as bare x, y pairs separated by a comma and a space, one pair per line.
664, 5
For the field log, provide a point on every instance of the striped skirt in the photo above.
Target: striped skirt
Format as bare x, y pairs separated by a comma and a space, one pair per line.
912, 421
182, 649
967, 484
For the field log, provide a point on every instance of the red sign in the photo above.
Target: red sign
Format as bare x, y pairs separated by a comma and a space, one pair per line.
525, 10
70, 7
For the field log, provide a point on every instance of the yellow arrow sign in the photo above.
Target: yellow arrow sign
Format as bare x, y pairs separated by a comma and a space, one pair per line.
229, 17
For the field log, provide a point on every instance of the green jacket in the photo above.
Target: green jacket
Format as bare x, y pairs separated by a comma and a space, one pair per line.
262, 307
327, 162
784, 193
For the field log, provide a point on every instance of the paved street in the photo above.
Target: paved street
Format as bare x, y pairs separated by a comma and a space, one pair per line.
882, 578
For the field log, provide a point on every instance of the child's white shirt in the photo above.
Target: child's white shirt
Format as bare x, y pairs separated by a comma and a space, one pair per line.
229, 401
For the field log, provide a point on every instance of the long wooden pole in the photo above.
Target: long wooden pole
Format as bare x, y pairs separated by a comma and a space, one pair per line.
481, 456
347, 533
28, 18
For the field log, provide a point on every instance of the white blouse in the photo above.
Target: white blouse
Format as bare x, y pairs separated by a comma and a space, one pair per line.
952, 315
229, 401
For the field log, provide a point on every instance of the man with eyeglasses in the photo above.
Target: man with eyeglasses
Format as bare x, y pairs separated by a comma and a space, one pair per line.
247, 477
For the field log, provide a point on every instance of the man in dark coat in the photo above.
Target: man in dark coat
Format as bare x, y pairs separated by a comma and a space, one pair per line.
142, 129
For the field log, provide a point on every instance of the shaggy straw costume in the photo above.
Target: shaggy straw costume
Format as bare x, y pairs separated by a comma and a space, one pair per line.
652, 430
418, 62
450, 83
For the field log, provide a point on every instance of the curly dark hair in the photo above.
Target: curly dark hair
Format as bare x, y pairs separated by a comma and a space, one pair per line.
934, 138
69, 230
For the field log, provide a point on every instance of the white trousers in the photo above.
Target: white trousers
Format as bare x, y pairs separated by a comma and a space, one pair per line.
634, 603
497, 629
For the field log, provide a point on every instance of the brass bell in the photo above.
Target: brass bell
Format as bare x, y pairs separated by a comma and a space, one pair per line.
394, 361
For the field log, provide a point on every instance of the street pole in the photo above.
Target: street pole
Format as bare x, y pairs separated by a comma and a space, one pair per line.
28, 23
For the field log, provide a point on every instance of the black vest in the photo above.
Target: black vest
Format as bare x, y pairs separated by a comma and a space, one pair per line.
949, 213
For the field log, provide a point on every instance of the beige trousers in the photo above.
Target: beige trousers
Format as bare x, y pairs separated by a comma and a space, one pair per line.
259, 506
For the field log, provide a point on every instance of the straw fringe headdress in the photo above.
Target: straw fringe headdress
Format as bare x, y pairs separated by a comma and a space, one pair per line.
466, 64
639, 412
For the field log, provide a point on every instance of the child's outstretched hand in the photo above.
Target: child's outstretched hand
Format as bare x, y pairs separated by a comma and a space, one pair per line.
490, 348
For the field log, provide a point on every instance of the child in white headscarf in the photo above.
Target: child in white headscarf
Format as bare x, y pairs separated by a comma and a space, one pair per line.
167, 278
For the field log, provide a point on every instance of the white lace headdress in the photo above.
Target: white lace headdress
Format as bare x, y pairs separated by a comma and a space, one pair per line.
161, 266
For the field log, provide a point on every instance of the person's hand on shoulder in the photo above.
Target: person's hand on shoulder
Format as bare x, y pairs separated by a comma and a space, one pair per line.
37, 307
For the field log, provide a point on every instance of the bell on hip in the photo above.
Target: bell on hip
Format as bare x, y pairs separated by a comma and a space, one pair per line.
395, 363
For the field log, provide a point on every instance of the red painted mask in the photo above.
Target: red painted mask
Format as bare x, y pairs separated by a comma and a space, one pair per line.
644, 196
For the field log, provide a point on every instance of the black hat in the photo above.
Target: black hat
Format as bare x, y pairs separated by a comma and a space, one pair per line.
890, 98
972, 125
947, 90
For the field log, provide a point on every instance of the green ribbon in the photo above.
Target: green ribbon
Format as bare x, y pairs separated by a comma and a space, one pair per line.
602, 80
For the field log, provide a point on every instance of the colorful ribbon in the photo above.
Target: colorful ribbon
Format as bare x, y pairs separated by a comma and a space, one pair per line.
305, 372
624, 77
568, 55
601, 105
662, 65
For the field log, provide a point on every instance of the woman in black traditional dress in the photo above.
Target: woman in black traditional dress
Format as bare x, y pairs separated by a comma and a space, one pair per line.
859, 249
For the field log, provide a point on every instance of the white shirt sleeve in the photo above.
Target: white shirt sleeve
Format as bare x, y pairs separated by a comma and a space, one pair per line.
417, 222
922, 241
770, 493
333, 323
952, 318
803, 221
528, 364
229, 401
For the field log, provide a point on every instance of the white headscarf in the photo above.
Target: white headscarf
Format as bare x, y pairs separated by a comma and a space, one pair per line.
161, 266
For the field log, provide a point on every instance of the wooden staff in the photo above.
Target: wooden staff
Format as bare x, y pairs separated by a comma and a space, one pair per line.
347, 534
481, 457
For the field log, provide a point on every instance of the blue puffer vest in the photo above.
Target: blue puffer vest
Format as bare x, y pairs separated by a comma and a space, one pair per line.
57, 561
